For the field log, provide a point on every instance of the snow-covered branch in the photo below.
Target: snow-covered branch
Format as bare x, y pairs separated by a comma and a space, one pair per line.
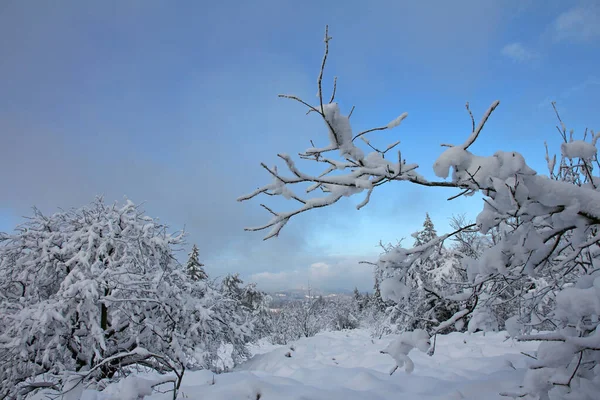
353, 173
541, 267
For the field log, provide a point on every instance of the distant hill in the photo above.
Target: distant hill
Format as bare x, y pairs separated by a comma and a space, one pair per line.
285, 296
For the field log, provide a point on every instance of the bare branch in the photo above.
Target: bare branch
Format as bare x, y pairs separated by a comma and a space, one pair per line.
460, 194
562, 130
472, 118
288, 96
351, 111
334, 89
381, 128
320, 80
479, 127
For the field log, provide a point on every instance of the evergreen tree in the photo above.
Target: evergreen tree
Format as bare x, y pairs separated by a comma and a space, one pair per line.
255, 303
427, 234
194, 266
424, 280
232, 286
358, 299
378, 302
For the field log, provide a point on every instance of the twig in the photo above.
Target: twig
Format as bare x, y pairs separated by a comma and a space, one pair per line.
288, 96
479, 127
351, 111
320, 80
563, 132
381, 128
334, 89
471, 115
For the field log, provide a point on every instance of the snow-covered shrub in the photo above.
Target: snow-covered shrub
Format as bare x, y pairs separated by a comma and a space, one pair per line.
420, 294
403, 344
93, 292
341, 312
251, 302
297, 319
545, 233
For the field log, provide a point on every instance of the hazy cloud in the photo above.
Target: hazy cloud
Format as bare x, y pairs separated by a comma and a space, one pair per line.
572, 91
517, 52
333, 274
581, 23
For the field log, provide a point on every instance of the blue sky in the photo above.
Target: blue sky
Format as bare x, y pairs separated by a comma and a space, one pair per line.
175, 105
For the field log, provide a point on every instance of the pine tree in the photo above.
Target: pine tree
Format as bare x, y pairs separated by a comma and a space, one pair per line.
427, 234
231, 286
427, 282
378, 301
194, 266
358, 299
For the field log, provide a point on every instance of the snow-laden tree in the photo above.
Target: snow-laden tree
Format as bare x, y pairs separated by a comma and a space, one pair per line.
257, 305
358, 299
377, 301
90, 293
231, 286
194, 266
424, 301
298, 319
427, 234
306, 318
250, 301
341, 312
420, 298
546, 230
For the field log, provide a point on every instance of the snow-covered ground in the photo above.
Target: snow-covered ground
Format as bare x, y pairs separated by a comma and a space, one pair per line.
348, 365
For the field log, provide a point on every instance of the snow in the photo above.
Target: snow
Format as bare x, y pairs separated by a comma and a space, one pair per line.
349, 365
393, 289
578, 149
397, 121
481, 170
341, 135
399, 348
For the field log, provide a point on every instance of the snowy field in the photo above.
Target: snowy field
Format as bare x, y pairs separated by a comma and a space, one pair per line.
347, 365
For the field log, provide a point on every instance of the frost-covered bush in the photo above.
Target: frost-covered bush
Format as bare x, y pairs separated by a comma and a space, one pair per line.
543, 262
420, 295
298, 319
251, 302
341, 313
90, 293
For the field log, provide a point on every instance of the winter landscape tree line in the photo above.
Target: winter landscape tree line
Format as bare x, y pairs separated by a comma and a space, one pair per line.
91, 295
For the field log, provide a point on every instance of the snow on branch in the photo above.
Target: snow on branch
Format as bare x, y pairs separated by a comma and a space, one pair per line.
542, 266
353, 172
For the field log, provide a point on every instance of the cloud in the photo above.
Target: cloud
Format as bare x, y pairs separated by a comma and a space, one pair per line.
180, 116
575, 90
335, 273
581, 23
518, 53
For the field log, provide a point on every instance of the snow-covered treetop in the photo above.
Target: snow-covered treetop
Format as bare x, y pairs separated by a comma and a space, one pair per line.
194, 266
427, 234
